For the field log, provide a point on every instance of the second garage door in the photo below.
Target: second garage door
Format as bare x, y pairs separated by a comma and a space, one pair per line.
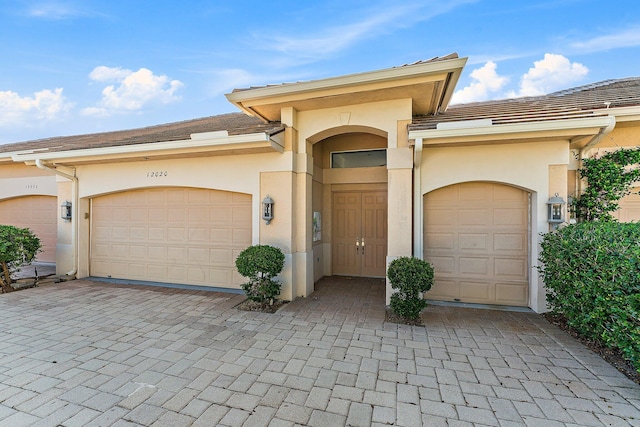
172, 235
476, 237
38, 213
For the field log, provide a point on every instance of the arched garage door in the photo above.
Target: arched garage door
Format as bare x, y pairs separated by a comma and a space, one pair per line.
172, 235
476, 237
38, 213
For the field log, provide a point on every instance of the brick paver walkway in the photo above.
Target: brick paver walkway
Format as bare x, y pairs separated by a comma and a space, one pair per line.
87, 353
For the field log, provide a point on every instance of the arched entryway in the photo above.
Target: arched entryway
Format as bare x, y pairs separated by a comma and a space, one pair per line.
350, 204
476, 235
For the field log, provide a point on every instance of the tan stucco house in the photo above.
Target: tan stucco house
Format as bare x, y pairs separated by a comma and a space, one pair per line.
361, 168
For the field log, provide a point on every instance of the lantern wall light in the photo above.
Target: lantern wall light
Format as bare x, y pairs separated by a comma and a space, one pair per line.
555, 210
65, 211
267, 209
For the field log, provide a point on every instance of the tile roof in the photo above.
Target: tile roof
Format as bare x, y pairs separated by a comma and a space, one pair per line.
233, 123
583, 101
452, 55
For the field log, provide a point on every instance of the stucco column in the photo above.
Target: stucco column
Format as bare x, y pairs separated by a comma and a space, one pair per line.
303, 217
301, 205
400, 224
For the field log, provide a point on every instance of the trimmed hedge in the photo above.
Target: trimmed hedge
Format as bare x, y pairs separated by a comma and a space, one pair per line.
591, 271
410, 277
261, 264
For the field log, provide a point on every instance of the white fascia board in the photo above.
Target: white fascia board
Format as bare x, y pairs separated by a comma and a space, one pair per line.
515, 128
625, 114
406, 71
8, 156
151, 148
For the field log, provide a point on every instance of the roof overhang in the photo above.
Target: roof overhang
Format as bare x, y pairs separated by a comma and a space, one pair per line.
578, 131
202, 144
625, 114
430, 85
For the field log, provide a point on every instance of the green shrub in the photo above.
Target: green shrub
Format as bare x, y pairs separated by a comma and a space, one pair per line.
591, 271
260, 264
17, 246
410, 277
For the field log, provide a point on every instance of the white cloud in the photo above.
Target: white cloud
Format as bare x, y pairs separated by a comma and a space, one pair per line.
58, 10
625, 38
332, 39
551, 73
132, 91
108, 74
486, 82
43, 105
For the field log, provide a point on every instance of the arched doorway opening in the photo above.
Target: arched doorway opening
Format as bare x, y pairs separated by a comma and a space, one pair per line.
350, 205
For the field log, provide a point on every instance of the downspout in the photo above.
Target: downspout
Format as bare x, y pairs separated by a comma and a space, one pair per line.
74, 216
595, 140
418, 228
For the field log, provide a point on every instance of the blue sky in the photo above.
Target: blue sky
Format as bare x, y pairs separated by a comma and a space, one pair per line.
82, 66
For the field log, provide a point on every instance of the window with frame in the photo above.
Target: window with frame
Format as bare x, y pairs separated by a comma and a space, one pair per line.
359, 158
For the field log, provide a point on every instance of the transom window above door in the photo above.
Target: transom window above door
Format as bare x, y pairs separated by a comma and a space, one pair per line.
358, 159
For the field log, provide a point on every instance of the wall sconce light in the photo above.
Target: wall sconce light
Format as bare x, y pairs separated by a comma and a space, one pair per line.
65, 211
267, 209
555, 212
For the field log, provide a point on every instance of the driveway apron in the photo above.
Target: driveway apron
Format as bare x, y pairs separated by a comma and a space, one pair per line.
91, 353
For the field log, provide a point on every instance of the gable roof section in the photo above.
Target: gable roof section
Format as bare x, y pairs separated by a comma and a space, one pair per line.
190, 135
429, 84
593, 104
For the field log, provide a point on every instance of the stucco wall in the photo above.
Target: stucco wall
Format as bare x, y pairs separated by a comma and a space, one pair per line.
17, 180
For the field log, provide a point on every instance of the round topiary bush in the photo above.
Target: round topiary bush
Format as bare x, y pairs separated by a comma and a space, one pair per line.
260, 264
410, 277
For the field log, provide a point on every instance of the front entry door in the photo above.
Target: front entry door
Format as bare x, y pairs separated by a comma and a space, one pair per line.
359, 233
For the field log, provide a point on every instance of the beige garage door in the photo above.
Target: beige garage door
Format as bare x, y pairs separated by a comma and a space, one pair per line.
476, 237
38, 213
629, 207
172, 235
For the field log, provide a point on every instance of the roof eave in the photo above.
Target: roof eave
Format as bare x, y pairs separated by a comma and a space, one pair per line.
625, 114
515, 131
197, 145
452, 66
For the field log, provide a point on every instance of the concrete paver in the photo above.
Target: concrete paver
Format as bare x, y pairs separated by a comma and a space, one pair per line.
93, 353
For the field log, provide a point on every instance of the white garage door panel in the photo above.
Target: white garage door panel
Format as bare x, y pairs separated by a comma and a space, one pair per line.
509, 294
38, 213
145, 235
476, 291
476, 237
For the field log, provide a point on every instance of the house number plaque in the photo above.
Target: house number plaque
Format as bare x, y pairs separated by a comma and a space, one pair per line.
157, 174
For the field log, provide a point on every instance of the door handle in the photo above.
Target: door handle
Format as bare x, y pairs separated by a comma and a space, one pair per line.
357, 246
363, 246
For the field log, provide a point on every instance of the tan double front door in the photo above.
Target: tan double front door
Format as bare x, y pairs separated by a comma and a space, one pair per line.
359, 233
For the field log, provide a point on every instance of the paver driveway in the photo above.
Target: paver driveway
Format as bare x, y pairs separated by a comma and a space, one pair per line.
89, 353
